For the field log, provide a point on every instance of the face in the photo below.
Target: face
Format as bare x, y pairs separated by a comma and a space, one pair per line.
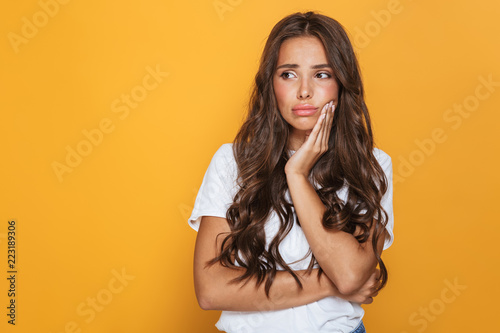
303, 78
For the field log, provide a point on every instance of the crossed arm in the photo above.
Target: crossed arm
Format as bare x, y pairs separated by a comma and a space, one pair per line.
214, 292
348, 263
349, 267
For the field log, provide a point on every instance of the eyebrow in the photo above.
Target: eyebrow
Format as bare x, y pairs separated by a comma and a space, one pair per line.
297, 66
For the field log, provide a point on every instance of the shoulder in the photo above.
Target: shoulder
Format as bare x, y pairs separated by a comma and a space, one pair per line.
223, 162
225, 151
224, 155
383, 158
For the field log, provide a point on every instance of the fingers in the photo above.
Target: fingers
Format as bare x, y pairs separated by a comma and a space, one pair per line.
366, 300
324, 126
316, 131
377, 274
323, 135
320, 134
328, 124
369, 291
324, 116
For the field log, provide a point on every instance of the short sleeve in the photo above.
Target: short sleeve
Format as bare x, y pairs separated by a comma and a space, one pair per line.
385, 162
217, 188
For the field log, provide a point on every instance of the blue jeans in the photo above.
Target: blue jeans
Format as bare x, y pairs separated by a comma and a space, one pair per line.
360, 328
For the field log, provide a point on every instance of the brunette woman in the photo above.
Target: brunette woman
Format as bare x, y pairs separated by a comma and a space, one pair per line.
293, 216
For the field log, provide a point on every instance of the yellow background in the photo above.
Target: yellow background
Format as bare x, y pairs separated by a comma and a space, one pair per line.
124, 206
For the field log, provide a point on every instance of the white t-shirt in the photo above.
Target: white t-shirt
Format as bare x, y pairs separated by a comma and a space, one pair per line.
330, 314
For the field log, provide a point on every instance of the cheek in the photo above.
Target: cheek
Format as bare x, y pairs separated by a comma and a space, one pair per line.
280, 92
335, 90
331, 90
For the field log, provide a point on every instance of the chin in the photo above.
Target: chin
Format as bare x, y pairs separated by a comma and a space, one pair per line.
304, 125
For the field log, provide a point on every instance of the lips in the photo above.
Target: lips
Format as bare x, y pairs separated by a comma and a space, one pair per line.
304, 110
304, 107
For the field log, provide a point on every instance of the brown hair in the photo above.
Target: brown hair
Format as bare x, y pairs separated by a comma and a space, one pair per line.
261, 152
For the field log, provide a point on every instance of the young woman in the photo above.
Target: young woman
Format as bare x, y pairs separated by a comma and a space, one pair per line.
293, 216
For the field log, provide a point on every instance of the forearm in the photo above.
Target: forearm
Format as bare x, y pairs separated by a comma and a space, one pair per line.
218, 294
343, 259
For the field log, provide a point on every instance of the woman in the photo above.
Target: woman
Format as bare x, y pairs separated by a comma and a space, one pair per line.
293, 216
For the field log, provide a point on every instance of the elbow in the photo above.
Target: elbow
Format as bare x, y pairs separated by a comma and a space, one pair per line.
351, 279
202, 290
349, 284
205, 300
210, 291
204, 303
348, 288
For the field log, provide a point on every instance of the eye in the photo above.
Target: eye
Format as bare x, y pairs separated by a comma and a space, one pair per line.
284, 75
327, 74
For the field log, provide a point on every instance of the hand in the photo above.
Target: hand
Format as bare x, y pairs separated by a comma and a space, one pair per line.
315, 145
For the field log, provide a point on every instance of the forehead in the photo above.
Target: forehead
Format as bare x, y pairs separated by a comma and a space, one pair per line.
305, 50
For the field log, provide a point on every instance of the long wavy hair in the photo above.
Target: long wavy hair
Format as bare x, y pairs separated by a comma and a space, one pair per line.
261, 151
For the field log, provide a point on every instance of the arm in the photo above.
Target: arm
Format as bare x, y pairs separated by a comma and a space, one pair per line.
348, 263
215, 293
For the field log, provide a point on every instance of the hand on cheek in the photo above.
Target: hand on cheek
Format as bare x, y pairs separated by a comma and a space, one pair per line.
315, 145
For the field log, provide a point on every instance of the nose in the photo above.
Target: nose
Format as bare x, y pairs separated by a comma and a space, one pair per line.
305, 91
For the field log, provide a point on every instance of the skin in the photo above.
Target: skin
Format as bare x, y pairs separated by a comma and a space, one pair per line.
302, 84
309, 137
214, 292
346, 262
